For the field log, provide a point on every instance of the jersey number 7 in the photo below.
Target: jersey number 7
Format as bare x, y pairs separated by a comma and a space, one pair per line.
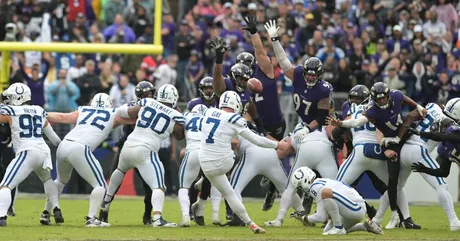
215, 123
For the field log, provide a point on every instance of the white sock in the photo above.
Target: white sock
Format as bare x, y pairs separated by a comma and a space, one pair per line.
52, 193
201, 206
222, 184
333, 210
297, 203
60, 187
357, 227
216, 198
384, 205
445, 200
115, 182
403, 204
5, 201
158, 201
184, 202
285, 202
95, 200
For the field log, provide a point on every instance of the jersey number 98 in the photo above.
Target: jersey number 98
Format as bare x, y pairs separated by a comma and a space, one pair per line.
151, 118
31, 126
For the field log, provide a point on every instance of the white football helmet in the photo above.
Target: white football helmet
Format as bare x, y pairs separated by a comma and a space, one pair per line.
168, 94
232, 100
17, 94
200, 109
452, 109
303, 177
101, 100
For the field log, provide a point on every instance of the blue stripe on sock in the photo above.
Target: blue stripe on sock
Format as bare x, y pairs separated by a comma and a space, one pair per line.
184, 164
156, 170
91, 166
98, 171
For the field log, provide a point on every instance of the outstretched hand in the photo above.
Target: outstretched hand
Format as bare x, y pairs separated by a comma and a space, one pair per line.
418, 167
219, 45
412, 130
251, 22
331, 120
271, 28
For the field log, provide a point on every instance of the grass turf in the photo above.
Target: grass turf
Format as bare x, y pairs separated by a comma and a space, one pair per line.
126, 220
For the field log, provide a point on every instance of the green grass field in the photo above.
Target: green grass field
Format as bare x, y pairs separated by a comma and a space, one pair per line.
126, 216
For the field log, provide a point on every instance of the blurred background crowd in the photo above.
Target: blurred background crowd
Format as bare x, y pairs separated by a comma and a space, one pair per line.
412, 45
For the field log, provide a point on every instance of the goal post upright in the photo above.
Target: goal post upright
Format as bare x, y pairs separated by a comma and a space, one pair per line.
156, 48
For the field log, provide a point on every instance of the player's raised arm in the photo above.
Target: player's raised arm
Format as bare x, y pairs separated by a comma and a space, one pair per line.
283, 61
261, 57
66, 118
218, 80
420, 109
52, 136
252, 111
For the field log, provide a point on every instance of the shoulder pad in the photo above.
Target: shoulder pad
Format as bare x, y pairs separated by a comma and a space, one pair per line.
7, 110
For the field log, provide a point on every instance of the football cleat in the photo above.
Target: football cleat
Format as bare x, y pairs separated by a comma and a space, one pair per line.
235, 222
93, 222
307, 203
216, 219
185, 222
256, 229
455, 226
103, 215
409, 224
3, 221
335, 231
163, 223
58, 218
11, 212
373, 227
269, 200
328, 226
394, 222
45, 218
198, 214
274, 223
298, 214
146, 219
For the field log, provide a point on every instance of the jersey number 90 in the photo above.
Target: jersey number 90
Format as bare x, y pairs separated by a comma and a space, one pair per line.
150, 118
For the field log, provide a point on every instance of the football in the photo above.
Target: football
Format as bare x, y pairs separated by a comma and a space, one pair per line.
254, 85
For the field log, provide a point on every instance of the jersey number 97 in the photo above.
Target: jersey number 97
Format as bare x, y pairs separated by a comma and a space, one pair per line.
156, 121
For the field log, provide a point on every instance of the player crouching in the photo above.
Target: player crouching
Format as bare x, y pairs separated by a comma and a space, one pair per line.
341, 202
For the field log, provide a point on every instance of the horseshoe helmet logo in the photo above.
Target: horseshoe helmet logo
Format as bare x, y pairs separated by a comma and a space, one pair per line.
302, 174
19, 90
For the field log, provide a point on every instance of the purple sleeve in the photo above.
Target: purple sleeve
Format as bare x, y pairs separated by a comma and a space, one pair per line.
345, 108
298, 75
369, 111
109, 31
397, 96
228, 84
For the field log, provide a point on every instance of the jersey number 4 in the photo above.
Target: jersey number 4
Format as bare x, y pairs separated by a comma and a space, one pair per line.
194, 125
151, 118
31, 126
101, 115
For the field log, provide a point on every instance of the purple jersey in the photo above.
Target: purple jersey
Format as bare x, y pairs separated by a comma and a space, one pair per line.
267, 102
387, 120
306, 99
345, 108
245, 95
450, 150
197, 101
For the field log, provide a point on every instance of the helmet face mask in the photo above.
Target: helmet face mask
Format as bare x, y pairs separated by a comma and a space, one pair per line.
240, 74
312, 71
145, 90
380, 94
358, 95
441, 124
206, 89
17, 94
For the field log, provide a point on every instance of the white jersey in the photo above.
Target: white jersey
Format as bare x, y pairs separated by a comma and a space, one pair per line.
433, 112
339, 188
27, 126
218, 130
155, 122
317, 135
193, 122
365, 133
244, 144
93, 126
